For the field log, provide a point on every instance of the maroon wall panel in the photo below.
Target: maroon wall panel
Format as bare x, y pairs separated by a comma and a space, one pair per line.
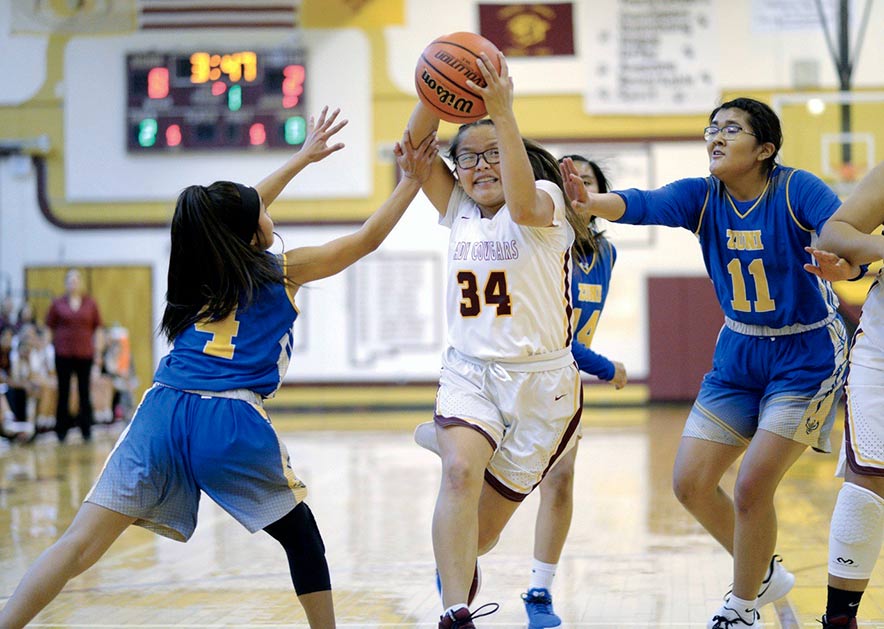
684, 320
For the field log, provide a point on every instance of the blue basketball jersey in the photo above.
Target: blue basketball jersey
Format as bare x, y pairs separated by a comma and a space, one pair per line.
589, 290
753, 250
249, 349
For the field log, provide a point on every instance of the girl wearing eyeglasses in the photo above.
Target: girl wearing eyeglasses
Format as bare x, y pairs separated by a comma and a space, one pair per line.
779, 362
509, 397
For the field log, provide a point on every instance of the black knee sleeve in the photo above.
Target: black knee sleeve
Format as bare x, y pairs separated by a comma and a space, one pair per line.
299, 536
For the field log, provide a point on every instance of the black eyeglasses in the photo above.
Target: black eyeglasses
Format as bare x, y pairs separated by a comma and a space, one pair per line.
470, 160
728, 132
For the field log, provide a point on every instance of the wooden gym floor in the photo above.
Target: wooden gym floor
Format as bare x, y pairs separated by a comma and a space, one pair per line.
634, 557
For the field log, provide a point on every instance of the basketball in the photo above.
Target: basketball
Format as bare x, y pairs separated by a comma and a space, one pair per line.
442, 72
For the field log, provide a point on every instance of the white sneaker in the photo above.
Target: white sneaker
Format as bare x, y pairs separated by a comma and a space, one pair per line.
425, 437
777, 582
728, 618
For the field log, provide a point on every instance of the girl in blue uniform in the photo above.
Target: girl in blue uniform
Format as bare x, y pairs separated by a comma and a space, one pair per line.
779, 362
201, 427
589, 290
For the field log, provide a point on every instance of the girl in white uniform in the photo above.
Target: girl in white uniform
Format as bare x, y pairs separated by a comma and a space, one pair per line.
509, 396
857, 527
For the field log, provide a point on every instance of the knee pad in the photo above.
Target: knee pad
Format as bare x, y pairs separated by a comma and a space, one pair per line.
856, 532
299, 535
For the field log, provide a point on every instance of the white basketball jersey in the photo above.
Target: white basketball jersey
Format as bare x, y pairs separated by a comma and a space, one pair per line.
872, 320
509, 286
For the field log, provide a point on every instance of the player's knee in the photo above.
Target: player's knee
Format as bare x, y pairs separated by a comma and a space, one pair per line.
459, 473
751, 493
299, 535
856, 532
686, 489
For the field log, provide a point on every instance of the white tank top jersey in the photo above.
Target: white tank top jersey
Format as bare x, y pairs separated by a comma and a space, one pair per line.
509, 286
872, 320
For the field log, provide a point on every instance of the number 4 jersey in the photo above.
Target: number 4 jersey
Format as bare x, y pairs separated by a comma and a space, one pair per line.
249, 349
509, 285
753, 250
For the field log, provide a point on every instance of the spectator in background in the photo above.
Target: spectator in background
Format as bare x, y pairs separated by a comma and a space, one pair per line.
74, 320
7, 311
28, 375
25, 317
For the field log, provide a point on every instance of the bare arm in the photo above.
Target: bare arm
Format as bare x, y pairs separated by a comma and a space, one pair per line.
846, 240
440, 182
527, 205
607, 205
314, 149
306, 264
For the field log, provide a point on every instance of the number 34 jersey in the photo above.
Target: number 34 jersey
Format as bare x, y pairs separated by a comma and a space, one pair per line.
753, 250
249, 349
508, 291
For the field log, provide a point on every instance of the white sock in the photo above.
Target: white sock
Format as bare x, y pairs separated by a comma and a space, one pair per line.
542, 574
744, 608
454, 608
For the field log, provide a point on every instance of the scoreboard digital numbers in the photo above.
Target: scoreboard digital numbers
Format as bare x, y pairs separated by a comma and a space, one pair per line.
207, 100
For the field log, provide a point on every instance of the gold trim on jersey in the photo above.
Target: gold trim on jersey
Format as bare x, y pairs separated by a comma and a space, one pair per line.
703, 209
789, 204
754, 205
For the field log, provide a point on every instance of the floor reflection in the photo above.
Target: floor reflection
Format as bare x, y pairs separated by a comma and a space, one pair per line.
634, 558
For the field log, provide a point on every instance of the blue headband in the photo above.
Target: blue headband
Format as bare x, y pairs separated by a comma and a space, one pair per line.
245, 223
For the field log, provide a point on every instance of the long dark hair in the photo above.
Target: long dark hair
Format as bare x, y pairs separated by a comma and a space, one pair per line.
764, 121
544, 166
601, 181
212, 270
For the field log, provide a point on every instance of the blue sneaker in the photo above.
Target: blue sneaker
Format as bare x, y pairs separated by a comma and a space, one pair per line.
474, 586
539, 607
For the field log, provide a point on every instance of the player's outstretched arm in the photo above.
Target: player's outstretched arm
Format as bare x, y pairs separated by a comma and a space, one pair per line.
846, 241
314, 149
440, 182
606, 205
306, 264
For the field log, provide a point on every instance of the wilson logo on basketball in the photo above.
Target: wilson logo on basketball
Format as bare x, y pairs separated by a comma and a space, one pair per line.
460, 66
446, 97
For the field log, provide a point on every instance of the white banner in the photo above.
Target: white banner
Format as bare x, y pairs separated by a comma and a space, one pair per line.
647, 57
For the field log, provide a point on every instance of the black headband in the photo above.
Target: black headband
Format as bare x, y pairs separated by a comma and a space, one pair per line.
245, 223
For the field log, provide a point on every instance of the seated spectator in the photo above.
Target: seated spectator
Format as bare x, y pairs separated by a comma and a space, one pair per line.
25, 317
118, 365
29, 374
7, 311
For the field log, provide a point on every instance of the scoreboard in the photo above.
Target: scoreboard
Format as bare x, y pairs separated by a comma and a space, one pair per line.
215, 99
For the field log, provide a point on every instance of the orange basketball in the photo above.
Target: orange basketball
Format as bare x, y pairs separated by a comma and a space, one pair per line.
442, 72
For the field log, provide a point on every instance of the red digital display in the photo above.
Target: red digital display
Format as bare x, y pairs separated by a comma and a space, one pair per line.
205, 100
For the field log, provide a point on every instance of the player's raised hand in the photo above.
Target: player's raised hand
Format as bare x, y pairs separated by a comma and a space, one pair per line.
498, 90
575, 188
831, 267
416, 162
319, 132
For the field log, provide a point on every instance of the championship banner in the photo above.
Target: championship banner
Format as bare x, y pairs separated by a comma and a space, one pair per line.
529, 30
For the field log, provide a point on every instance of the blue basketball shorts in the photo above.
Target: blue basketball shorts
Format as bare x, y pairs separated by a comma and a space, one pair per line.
181, 444
789, 385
